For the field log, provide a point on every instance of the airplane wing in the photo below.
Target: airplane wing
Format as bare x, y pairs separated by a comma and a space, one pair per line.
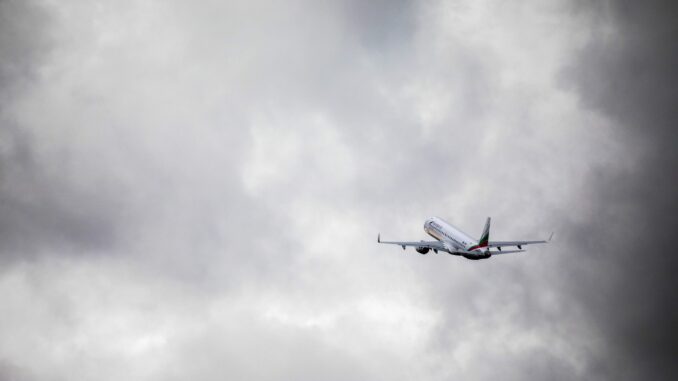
434, 245
507, 252
465, 252
519, 244
512, 243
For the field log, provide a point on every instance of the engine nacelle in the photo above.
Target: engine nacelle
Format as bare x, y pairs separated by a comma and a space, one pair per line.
422, 250
480, 255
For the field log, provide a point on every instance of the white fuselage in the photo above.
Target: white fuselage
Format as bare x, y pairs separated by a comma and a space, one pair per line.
437, 228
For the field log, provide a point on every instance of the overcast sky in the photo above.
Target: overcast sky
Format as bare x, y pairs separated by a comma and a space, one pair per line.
193, 191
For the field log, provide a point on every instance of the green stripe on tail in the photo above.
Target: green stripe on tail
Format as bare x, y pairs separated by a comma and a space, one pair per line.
485, 237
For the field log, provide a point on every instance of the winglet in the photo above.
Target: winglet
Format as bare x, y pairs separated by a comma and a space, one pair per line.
379, 238
551, 236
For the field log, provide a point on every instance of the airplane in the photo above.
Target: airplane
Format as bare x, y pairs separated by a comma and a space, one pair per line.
454, 241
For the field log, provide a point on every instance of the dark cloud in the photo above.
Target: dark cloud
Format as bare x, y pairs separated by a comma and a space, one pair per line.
23, 40
628, 278
9, 372
39, 208
382, 25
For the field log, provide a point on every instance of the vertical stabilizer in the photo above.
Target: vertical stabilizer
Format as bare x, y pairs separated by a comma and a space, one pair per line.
485, 237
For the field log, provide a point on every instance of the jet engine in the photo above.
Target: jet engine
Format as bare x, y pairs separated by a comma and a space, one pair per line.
422, 250
480, 255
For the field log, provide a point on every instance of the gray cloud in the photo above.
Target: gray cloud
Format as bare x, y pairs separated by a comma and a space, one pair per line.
628, 75
200, 188
23, 40
10, 372
40, 208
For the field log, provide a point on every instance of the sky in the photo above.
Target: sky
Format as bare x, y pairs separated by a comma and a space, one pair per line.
193, 190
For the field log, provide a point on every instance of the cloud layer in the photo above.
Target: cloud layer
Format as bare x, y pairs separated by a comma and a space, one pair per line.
194, 191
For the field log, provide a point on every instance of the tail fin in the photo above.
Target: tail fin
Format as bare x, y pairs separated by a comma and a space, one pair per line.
485, 237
